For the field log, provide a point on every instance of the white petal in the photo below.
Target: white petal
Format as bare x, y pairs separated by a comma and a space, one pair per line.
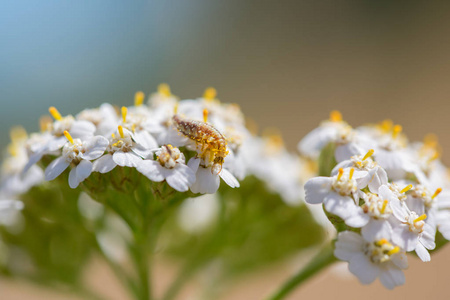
376, 230
363, 268
399, 209
345, 208
194, 163
316, 189
422, 253
151, 169
427, 237
104, 164
143, 152
33, 159
391, 277
404, 238
348, 244
95, 147
181, 178
206, 182
82, 129
229, 178
378, 178
145, 139
346, 151
55, 168
73, 182
126, 159
84, 169
400, 260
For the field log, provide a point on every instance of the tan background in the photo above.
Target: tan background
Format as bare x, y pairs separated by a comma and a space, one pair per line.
287, 63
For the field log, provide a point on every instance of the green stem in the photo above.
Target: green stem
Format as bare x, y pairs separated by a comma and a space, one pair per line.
323, 259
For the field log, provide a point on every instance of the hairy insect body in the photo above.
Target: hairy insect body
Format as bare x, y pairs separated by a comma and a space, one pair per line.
212, 144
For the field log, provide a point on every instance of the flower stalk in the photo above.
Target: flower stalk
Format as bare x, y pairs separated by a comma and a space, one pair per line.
322, 260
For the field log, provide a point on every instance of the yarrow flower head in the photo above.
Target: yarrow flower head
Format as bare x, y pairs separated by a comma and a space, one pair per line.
389, 199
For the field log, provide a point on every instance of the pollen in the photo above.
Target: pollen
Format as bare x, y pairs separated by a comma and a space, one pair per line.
335, 116
205, 115
55, 113
421, 218
406, 188
164, 89
121, 131
436, 193
368, 154
68, 136
124, 111
139, 98
210, 93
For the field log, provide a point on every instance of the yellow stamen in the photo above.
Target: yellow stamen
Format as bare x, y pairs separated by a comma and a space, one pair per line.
113, 135
210, 93
406, 188
12, 149
350, 176
393, 251
383, 208
68, 137
386, 125
121, 131
175, 109
118, 144
124, 114
435, 156
139, 98
133, 128
341, 172
436, 193
381, 242
421, 218
205, 115
55, 113
18, 134
164, 89
430, 140
45, 123
396, 130
335, 116
368, 154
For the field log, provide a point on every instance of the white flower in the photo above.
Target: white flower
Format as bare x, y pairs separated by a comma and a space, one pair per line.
169, 166
366, 170
207, 181
339, 194
411, 232
78, 154
378, 208
125, 151
369, 260
316, 140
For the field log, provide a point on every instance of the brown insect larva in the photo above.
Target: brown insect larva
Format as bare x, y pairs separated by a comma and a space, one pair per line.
212, 142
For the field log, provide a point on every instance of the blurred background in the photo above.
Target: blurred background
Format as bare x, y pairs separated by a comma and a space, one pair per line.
286, 63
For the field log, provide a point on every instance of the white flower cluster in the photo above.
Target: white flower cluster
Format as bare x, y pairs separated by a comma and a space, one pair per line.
155, 139
146, 137
389, 194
